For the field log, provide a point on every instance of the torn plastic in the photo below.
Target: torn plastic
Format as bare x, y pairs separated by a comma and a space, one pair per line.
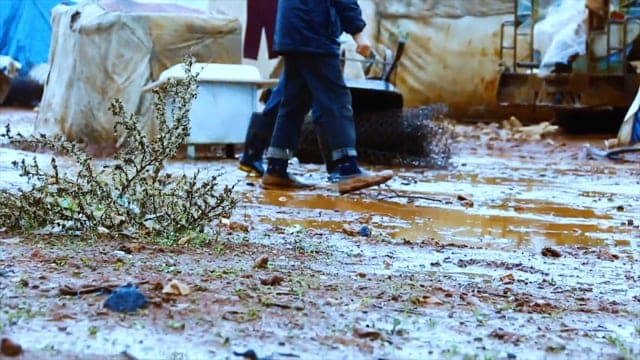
561, 35
629, 133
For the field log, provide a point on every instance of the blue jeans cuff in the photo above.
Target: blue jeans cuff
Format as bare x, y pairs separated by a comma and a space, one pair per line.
277, 153
342, 153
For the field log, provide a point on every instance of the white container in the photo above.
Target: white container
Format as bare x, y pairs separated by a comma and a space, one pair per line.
227, 97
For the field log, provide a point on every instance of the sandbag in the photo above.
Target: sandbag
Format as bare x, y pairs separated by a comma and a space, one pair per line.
108, 49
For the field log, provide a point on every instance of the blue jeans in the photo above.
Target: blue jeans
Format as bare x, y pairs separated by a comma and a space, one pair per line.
314, 79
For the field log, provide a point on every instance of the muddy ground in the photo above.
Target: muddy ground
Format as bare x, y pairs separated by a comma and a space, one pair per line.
523, 249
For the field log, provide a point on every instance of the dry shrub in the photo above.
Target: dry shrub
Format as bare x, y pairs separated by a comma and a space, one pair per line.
130, 194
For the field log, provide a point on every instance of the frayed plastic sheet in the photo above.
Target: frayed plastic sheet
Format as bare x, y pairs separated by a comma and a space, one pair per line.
561, 34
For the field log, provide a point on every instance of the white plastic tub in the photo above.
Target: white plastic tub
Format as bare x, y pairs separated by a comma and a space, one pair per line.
226, 99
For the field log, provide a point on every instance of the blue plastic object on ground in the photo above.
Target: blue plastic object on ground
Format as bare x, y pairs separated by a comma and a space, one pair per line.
126, 299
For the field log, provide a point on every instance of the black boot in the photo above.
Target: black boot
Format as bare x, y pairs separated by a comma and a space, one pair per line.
258, 138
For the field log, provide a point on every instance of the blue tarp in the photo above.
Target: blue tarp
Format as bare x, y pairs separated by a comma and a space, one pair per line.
635, 135
26, 30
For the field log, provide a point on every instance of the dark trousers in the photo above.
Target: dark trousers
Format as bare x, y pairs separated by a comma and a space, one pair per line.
261, 14
314, 79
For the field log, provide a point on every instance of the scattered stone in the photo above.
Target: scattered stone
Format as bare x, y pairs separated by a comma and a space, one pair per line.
550, 252
273, 280
126, 299
10, 348
176, 287
261, 262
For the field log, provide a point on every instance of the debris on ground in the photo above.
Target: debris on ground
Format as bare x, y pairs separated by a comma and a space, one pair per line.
261, 262
550, 252
507, 130
273, 280
126, 299
10, 348
176, 287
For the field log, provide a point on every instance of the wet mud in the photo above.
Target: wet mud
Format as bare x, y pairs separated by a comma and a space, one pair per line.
522, 249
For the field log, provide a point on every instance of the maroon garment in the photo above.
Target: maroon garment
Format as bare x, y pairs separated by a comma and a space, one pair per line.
261, 14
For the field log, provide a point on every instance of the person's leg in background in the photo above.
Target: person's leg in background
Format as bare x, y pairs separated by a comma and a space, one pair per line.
296, 100
259, 134
318, 79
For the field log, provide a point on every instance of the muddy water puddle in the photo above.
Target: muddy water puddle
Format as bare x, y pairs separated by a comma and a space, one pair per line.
521, 215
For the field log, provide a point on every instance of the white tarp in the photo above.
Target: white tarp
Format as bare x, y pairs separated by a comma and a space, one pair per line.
101, 50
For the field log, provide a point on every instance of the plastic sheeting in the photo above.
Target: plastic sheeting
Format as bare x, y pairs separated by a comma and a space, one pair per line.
26, 31
561, 34
445, 9
109, 49
629, 133
452, 51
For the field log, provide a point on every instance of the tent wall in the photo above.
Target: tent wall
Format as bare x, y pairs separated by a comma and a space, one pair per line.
98, 55
452, 53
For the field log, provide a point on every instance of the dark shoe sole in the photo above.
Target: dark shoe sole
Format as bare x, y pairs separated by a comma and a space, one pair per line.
362, 182
270, 182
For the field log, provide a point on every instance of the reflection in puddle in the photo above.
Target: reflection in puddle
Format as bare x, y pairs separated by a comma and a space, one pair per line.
511, 222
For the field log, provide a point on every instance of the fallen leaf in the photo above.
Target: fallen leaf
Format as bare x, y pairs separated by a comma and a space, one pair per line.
238, 227
366, 333
425, 300
605, 254
10, 348
506, 336
467, 203
261, 262
364, 219
131, 248
175, 325
176, 287
507, 279
350, 231
550, 252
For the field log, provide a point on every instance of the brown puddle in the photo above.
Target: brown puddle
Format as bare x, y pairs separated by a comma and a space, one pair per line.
527, 213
